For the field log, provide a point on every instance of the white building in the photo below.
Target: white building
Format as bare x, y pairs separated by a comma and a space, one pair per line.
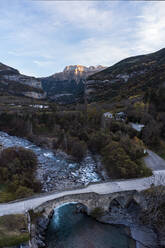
108, 115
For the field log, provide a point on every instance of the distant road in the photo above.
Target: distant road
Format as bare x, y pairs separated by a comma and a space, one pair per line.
152, 160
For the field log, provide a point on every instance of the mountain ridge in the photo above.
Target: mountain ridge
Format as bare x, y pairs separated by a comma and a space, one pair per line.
131, 76
14, 83
75, 71
66, 86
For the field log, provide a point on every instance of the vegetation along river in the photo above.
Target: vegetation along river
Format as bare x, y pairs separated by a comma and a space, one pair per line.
67, 228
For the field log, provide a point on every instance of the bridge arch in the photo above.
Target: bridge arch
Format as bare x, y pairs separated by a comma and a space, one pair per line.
90, 200
122, 199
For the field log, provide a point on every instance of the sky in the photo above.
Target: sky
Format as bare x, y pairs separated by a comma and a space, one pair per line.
40, 38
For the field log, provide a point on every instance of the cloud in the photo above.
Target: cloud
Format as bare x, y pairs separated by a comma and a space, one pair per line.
150, 32
96, 51
43, 63
42, 37
94, 28
82, 15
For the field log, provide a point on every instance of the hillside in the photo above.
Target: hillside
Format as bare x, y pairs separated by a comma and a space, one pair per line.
14, 83
130, 77
68, 86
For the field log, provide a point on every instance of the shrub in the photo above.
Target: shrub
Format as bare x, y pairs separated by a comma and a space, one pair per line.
97, 141
151, 134
119, 164
77, 148
133, 147
119, 126
17, 171
23, 191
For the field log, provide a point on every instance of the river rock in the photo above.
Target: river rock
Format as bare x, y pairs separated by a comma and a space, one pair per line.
40, 243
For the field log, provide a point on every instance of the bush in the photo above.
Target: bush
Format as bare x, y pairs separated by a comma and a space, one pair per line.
77, 148
23, 191
17, 171
151, 134
133, 147
97, 141
119, 164
119, 126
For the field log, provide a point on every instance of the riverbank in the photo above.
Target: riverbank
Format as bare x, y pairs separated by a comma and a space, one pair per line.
144, 235
56, 171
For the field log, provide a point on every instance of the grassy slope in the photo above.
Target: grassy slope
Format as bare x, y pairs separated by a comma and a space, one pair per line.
13, 230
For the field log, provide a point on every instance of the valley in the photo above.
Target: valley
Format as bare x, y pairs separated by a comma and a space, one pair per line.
82, 124
86, 130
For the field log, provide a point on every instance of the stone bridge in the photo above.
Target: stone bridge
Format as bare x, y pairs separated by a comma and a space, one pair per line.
94, 195
40, 217
98, 195
91, 201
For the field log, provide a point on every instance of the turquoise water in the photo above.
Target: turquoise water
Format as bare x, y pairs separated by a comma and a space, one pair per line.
69, 229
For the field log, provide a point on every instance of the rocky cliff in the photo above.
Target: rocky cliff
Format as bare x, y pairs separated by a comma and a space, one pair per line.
12, 82
77, 72
68, 86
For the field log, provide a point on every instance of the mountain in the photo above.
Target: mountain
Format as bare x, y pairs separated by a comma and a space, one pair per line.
130, 77
68, 86
14, 83
78, 72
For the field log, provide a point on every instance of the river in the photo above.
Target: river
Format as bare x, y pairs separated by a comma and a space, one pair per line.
54, 170
69, 229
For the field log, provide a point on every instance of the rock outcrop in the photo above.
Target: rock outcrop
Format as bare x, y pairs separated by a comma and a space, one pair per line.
35, 95
68, 86
14, 83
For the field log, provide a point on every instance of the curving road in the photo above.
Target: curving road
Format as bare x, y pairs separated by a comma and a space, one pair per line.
152, 160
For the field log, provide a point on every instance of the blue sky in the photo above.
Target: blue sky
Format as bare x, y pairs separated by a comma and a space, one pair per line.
40, 38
